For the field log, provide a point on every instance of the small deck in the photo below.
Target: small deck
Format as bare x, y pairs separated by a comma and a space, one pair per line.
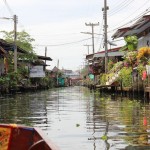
125, 90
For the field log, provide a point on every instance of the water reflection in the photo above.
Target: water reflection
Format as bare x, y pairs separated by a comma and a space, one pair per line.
75, 118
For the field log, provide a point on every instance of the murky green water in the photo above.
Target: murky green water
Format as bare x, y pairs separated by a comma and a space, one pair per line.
76, 119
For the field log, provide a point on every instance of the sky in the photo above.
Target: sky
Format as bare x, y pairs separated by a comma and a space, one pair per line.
57, 25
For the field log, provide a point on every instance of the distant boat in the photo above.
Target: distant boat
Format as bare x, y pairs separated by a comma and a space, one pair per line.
17, 137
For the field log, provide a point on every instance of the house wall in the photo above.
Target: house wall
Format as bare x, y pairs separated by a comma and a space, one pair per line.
144, 41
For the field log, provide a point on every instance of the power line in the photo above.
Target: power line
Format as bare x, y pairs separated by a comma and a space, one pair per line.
63, 44
8, 7
101, 27
99, 33
61, 34
11, 11
88, 47
133, 12
118, 6
127, 3
134, 19
92, 25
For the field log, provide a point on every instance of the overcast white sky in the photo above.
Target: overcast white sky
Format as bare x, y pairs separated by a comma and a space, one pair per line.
54, 23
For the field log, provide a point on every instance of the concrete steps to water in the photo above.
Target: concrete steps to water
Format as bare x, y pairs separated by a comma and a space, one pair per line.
113, 78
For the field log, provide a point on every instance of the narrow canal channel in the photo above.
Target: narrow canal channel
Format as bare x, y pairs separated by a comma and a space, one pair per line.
76, 119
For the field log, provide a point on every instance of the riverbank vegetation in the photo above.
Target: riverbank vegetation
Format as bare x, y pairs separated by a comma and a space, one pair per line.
11, 81
131, 71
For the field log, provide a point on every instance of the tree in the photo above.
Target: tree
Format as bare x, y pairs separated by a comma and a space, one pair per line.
24, 40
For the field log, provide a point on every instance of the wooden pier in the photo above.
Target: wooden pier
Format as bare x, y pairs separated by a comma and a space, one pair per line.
127, 91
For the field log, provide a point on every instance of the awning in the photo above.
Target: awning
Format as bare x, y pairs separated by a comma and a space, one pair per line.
110, 54
44, 58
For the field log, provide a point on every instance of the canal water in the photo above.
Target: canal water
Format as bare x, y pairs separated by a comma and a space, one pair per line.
75, 118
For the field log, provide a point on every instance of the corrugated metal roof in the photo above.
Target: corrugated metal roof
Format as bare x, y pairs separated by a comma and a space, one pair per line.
10, 46
139, 26
90, 56
110, 54
44, 58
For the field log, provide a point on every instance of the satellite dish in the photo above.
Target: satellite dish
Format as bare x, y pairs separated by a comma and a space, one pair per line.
111, 43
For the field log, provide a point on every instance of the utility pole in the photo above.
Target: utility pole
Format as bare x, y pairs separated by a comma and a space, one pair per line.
88, 54
57, 72
15, 19
45, 53
45, 56
92, 25
15, 45
88, 48
105, 34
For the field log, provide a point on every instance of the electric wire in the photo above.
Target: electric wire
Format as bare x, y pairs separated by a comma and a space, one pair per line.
8, 7
63, 44
99, 33
121, 7
134, 19
117, 6
101, 38
132, 13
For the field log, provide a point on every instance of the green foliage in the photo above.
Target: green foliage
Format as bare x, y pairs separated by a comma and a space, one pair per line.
23, 71
110, 64
13, 79
23, 39
130, 57
77, 125
116, 66
148, 62
131, 42
104, 137
84, 71
60, 74
110, 75
51, 83
124, 48
2, 80
45, 81
127, 108
126, 76
141, 68
10, 80
29, 57
103, 79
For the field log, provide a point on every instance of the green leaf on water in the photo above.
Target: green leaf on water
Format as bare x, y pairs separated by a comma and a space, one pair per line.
77, 125
104, 137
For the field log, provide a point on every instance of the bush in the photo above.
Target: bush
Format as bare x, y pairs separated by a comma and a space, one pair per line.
126, 76
103, 79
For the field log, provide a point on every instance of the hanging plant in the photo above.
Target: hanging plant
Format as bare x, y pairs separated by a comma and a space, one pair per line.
131, 42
